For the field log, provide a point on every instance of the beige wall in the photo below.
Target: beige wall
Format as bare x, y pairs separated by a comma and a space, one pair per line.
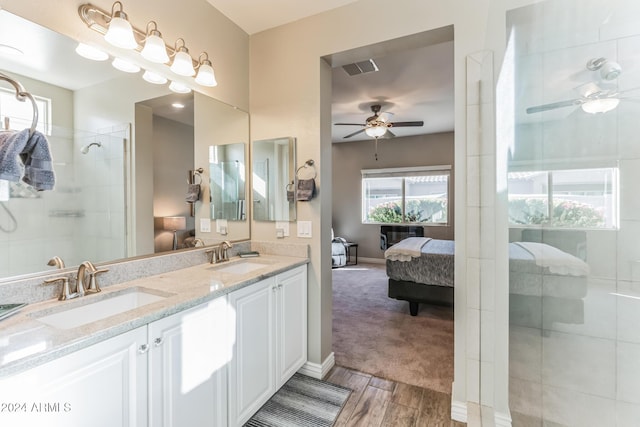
350, 158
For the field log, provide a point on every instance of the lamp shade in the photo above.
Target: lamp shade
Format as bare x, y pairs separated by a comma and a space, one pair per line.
154, 49
91, 52
376, 131
179, 88
120, 33
154, 78
600, 105
126, 66
206, 76
173, 223
182, 63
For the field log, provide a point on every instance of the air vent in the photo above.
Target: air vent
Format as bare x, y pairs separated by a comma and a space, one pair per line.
361, 67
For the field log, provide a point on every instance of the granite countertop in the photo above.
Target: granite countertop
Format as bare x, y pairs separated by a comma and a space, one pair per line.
26, 342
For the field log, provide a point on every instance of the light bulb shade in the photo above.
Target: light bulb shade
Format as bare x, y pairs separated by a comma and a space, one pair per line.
179, 88
91, 52
375, 131
154, 49
154, 78
120, 33
183, 64
600, 105
206, 76
172, 223
126, 66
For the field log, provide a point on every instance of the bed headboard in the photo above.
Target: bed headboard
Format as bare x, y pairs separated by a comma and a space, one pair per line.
573, 242
392, 234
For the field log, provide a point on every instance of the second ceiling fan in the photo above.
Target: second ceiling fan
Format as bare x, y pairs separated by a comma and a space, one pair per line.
378, 125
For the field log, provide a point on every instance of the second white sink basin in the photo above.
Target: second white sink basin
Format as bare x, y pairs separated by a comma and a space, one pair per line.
109, 305
240, 267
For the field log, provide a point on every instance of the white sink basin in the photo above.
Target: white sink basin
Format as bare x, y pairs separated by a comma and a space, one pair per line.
240, 267
109, 305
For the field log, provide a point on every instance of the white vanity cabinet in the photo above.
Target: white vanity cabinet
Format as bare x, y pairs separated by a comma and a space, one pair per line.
270, 342
102, 385
188, 356
171, 372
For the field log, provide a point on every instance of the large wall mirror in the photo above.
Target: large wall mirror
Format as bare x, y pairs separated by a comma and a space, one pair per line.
101, 125
273, 179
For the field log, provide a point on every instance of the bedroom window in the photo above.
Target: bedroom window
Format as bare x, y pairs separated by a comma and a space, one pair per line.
21, 113
573, 198
406, 195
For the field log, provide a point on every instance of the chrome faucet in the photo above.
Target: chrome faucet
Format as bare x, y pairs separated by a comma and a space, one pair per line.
224, 256
57, 262
88, 269
65, 291
196, 241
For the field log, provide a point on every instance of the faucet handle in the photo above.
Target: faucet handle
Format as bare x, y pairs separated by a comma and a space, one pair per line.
93, 281
65, 292
214, 255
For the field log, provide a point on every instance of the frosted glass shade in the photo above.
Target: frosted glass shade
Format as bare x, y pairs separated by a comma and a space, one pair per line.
154, 49
600, 105
183, 64
179, 88
91, 52
154, 78
120, 33
206, 76
376, 131
122, 65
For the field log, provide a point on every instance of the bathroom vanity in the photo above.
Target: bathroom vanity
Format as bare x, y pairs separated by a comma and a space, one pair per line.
211, 346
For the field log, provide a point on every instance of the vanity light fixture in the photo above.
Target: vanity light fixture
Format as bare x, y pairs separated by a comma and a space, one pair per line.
120, 32
154, 78
10, 50
182, 63
126, 66
154, 49
91, 52
206, 76
179, 87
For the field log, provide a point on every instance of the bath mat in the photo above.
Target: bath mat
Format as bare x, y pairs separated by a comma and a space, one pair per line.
302, 402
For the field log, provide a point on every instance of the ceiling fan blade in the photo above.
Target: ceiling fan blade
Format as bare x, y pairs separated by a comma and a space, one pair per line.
406, 124
388, 134
554, 105
354, 133
349, 124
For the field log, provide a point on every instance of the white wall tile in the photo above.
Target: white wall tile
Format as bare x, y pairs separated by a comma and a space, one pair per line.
579, 363
487, 383
525, 397
628, 302
601, 251
525, 353
629, 179
473, 283
628, 358
487, 332
487, 283
575, 408
473, 333
628, 251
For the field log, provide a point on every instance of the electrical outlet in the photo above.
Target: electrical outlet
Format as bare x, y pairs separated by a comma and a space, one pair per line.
205, 225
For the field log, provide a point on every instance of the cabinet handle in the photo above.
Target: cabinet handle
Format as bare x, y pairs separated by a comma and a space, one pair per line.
143, 349
158, 342
280, 286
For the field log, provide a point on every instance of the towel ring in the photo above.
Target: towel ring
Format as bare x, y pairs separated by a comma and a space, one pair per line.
21, 95
311, 164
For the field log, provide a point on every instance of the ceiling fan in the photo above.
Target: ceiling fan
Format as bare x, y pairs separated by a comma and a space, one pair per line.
594, 99
378, 125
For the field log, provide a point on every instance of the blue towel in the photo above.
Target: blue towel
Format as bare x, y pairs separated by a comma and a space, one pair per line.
38, 169
35, 155
11, 145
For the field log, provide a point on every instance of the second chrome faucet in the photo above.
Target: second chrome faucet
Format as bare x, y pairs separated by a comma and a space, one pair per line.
85, 281
220, 253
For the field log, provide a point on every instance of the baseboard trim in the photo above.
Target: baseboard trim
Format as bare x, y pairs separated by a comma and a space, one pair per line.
458, 411
318, 371
502, 419
372, 260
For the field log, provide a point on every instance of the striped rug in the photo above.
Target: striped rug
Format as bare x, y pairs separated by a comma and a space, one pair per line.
302, 402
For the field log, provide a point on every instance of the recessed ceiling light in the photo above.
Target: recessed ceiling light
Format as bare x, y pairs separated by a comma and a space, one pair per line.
10, 50
177, 105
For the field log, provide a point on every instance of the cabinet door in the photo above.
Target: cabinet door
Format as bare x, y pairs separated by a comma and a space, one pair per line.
291, 323
251, 373
188, 359
102, 385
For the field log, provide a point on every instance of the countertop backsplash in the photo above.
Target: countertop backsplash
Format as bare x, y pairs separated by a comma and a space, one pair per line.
32, 289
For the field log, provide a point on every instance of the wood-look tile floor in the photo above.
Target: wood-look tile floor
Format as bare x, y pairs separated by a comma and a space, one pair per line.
379, 402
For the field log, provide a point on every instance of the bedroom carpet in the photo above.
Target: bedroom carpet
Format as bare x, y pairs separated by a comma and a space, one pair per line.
302, 402
375, 334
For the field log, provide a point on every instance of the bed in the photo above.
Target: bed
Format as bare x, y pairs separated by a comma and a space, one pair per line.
538, 273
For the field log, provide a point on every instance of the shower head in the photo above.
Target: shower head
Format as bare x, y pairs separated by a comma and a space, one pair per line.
85, 149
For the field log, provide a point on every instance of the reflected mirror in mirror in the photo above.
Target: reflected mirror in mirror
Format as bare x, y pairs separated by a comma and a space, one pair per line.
227, 182
273, 179
102, 207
